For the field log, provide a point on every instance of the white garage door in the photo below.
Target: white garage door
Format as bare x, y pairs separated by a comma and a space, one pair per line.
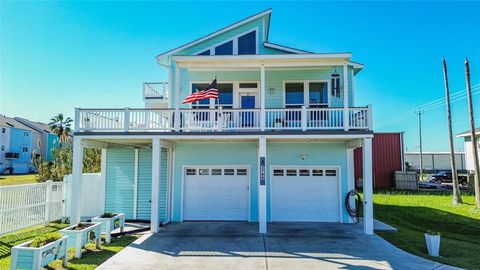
305, 194
216, 193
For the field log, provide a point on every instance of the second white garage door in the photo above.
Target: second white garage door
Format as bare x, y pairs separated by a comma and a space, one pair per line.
216, 193
305, 194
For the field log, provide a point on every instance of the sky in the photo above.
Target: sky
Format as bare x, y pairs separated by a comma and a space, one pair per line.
56, 56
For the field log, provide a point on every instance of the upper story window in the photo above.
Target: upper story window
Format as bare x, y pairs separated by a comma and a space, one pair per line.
25, 134
294, 95
313, 94
245, 43
24, 149
3, 130
225, 49
318, 94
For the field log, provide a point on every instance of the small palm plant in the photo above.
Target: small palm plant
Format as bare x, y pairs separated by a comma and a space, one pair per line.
62, 127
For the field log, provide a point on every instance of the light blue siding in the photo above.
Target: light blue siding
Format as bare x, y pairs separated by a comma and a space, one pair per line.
204, 153
144, 190
119, 181
318, 154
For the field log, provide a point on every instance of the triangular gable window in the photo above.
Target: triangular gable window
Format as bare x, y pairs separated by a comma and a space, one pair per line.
247, 44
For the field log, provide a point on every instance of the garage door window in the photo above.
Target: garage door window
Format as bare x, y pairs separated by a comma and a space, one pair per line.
216, 171
331, 173
304, 172
241, 171
204, 171
291, 172
278, 172
317, 172
229, 172
191, 172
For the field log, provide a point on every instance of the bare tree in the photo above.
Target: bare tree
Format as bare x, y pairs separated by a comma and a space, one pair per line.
457, 198
472, 134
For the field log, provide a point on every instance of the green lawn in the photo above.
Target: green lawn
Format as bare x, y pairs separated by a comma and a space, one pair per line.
91, 257
413, 213
8, 180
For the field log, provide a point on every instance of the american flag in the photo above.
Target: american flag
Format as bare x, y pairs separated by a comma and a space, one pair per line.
210, 92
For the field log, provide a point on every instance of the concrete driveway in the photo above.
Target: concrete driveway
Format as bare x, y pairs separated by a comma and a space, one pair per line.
237, 245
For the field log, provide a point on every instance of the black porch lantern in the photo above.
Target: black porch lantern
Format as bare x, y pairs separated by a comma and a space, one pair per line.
335, 83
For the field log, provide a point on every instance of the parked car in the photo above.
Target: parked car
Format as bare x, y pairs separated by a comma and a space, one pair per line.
446, 177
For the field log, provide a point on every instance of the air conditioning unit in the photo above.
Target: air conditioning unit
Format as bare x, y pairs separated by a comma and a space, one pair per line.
12, 155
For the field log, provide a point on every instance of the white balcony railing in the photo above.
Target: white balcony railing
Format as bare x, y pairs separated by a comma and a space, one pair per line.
157, 90
192, 120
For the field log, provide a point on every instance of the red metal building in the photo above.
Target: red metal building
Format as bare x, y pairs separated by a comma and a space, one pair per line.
388, 157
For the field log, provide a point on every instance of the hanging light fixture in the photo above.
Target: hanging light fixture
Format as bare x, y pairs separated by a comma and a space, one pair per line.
335, 83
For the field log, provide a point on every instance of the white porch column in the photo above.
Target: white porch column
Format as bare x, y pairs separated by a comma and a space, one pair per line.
156, 149
262, 97
262, 190
346, 120
77, 166
367, 186
177, 99
350, 177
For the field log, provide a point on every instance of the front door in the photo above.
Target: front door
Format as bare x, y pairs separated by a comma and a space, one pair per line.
248, 117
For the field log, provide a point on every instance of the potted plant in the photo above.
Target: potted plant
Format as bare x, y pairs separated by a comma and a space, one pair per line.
80, 234
110, 221
433, 243
39, 252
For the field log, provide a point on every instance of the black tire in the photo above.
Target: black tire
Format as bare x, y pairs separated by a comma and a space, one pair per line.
464, 182
439, 181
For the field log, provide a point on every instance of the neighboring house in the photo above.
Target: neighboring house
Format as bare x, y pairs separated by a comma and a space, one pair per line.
48, 139
276, 146
16, 146
468, 148
435, 161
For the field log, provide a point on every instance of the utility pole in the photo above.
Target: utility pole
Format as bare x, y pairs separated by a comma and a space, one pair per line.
457, 197
419, 112
472, 134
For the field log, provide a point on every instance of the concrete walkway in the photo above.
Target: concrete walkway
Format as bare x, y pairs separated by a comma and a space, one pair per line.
237, 245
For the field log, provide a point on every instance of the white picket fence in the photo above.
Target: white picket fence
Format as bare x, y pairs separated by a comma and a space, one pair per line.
92, 197
22, 206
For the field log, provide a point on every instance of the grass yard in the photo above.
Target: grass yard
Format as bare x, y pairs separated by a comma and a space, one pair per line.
91, 258
413, 213
8, 180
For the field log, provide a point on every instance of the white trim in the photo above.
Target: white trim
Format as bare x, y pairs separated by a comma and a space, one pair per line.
262, 189
184, 167
319, 56
350, 177
228, 137
135, 184
172, 195
234, 40
346, 118
306, 91
103, 171
156, 167
214, 34
356, 65
367, 187
283, 48
324, 167
264, 37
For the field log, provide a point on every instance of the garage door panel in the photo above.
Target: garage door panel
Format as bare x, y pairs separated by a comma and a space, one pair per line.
312, 197
216, 197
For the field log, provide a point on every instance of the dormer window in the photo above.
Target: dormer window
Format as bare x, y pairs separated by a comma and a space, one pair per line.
245, 43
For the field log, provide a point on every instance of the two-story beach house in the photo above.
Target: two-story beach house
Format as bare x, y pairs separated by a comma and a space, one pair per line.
276, 146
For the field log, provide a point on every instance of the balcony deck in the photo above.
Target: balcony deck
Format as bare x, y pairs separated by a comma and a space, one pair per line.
224, 121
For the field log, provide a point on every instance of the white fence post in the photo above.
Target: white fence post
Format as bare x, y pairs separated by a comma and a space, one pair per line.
48, 200
304, 118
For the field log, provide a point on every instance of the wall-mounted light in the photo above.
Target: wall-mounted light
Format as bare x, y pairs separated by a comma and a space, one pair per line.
335, 83
271, 90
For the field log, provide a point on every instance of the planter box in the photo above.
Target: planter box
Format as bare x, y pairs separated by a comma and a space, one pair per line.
25, 257
433, 244
79, 238
110, 224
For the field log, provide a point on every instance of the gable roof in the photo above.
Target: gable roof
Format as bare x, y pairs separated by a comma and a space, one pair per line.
467, 133
6, 121
38, 126
267, 12
283, 48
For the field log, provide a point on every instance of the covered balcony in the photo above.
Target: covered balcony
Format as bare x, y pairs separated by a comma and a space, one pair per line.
223, 120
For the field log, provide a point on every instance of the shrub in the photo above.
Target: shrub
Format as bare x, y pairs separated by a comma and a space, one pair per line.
44, 239
108, 215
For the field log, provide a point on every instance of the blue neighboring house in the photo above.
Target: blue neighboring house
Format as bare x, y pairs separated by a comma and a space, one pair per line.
17, 142
276, 146
48, 139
